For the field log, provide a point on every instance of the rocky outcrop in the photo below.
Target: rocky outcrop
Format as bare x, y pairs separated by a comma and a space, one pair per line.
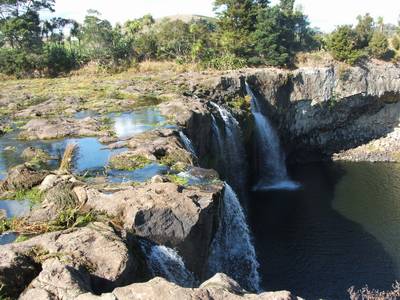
194, 116
22, 177
324, 110
62, 265
168, 214
46, 129
217, 288
163, 146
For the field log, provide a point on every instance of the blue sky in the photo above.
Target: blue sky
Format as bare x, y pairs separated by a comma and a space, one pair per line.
324, 14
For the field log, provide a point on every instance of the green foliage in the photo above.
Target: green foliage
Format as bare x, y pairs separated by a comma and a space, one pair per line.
70, 218
178, 180
21, 238
343, 45
396, 43
379, 46
225, 62
364, 30
34, 195
237, 20
58, 59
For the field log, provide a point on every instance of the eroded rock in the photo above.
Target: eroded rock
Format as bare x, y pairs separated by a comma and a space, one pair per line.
83, 259
56, 128
219, 287
168, 214
22, 177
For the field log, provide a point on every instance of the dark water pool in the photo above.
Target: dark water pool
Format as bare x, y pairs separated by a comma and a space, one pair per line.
341, 229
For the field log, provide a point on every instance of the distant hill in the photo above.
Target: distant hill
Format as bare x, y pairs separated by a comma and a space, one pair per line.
186, 18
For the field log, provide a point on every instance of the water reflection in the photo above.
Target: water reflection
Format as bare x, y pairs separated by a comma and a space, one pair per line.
332, 234
129, 124
14, 208
91, 153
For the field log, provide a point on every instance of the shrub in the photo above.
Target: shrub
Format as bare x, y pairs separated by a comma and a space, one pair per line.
379, 46
18, 62
57, 59
225, 62
342, 44
396, 43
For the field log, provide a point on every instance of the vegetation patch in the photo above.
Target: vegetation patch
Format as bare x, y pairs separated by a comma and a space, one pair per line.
128, 161
34, 196
178, 180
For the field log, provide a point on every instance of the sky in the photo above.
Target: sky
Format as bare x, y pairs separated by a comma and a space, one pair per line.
325, 14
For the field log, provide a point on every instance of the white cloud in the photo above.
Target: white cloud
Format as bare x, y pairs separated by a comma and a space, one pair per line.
323, 13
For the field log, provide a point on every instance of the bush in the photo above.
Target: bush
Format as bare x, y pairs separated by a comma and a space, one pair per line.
57, 59
396, 43
379, 46
18, 62
342, 44
225, 62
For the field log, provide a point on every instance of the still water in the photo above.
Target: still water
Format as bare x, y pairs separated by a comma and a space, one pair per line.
341, 229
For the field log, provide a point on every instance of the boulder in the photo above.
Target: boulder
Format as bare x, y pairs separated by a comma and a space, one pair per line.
107, 259
168, 214
22, 177
58, 280
220, 287
17, 270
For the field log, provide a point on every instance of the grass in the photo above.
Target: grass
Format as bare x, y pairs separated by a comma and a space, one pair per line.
34, 196
150, 83
68, 218
128, 162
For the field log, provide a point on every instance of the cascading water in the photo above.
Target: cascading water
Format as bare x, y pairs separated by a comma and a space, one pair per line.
166, 263
229, 149
232, 251
272, 167
187, 143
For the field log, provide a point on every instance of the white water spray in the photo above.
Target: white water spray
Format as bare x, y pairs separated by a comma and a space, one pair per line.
187, 143
273, 173
166, 262
232, 251
229, 149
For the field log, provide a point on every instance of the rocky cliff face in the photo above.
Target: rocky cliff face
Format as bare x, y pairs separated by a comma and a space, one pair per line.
325, 111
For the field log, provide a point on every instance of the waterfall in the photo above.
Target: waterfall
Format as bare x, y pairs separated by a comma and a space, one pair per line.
166, 262
187, 143
232, 251
272, 166
229, 149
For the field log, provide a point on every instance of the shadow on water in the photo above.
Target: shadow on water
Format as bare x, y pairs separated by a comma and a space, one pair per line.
304, 245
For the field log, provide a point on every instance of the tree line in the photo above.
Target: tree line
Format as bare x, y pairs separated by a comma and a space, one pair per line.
244, 33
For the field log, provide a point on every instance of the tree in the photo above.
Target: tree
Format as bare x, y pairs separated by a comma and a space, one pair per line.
364, 29
281, 31
174, 39
20, 22
96, 34
344, 46
379, 46
236, 22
